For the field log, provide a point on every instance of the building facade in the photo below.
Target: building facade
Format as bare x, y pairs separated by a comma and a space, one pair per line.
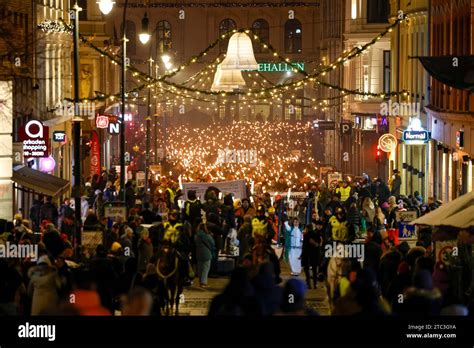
368, 73
450, 111
408, 40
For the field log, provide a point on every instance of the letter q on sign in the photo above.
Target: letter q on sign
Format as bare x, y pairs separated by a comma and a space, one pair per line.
28, 129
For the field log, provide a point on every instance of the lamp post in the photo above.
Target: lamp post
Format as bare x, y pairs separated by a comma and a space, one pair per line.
144, 37
105, 7
77, 134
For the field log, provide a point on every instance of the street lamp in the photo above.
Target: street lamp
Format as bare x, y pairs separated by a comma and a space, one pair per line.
105, 6
77, 135
145, 34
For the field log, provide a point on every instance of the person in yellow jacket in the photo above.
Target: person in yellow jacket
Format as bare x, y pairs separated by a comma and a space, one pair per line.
340, 230
172, 228
344, 191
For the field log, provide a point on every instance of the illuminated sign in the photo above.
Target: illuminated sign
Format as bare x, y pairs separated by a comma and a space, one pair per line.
388, 142
59, 136
35, 138
102, 121
416, 137
114, 128
280, 67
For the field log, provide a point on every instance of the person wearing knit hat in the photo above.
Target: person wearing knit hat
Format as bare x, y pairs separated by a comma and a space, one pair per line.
116, 247
422, 299
293, 299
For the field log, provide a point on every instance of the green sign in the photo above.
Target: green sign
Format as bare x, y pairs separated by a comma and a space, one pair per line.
279, 67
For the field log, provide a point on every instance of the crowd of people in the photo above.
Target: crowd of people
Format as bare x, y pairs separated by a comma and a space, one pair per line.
258, 233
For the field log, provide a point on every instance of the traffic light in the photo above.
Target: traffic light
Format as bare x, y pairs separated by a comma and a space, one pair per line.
378, 154
86, 147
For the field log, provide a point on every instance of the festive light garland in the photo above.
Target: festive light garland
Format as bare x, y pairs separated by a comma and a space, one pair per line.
50, 26
152, 82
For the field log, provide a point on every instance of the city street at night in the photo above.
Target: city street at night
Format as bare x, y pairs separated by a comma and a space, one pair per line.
183, 161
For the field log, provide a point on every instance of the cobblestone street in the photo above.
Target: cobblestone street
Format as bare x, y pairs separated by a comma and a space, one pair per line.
197, 300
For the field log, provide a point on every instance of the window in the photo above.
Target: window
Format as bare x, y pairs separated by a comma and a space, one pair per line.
83, 13
386, 72
225, 26
261, 28
293, 36
377, 11
131, 35
164, 37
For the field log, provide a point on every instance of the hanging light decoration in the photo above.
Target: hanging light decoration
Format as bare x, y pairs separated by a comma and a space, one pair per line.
227, 80
239, 54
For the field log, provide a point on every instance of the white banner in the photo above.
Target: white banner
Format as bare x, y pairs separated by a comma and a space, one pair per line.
235, 187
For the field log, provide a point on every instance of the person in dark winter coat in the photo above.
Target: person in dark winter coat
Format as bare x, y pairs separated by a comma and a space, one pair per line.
147, 214
35, 214
388, 269
228, 215
129, 195
244, 235
105, 275
204, 251
396, 183
237, 299
422, 299
354, 217
381, 191
268, 294
192, 208
49, 211
311, 252
373, 251
53, 241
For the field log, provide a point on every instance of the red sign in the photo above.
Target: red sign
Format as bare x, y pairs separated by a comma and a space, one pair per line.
35, 137
95, 153
102, 121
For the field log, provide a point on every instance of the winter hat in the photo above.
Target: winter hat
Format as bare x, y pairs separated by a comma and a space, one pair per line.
44, 259
295, 290
423, 280
403, 268
116, 246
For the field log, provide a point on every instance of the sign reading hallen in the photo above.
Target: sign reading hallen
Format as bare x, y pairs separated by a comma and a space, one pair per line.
280, 67
35, 137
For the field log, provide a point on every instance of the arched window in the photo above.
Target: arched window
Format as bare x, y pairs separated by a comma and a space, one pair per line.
261, 28
163, 37
131, 33
225, 26
293, 36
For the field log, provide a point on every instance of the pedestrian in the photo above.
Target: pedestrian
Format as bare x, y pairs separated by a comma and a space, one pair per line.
145, 250
205, 247
49, 211
293, 246
43, 286
99, 204
244, 235
311, 252
395, 183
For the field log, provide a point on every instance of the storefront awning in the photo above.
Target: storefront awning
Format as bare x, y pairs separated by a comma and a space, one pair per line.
454, 71
39, 182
